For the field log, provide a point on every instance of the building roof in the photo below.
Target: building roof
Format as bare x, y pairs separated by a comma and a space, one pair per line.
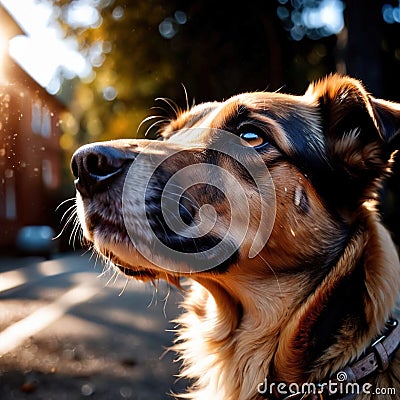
9, 27
15, 74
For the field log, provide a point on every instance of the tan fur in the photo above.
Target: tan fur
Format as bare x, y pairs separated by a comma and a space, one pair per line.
321, 289
210, 344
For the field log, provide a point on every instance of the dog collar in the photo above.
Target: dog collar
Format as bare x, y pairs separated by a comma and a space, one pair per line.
377, 358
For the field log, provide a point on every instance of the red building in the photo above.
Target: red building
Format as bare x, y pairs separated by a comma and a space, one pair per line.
30, 157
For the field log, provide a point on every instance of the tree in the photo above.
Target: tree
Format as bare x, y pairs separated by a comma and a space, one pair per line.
141, 50
130, 60
145, 49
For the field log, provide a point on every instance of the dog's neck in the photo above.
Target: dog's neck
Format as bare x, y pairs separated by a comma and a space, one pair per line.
282, 327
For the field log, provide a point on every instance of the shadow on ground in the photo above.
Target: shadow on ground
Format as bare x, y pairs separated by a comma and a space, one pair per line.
110, 347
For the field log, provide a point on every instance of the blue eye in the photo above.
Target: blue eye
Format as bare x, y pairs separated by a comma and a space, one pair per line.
253, 139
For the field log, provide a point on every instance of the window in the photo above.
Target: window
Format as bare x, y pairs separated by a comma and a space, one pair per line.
41, 119
10, 195
46, 123
36, 117
47, 174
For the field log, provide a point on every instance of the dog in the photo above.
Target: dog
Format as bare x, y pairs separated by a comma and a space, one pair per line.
294, 279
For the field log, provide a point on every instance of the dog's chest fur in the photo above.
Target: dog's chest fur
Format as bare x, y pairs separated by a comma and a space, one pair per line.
243, 342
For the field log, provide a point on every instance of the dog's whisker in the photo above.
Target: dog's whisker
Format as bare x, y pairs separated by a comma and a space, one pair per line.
100, 257
172, 104
186, 97
153, 300
64, 227
280, 89
189, 198
105, 262
108, 265
68, 210
115, 273
90, 249
93, 256
116, 276
82, 239
167, 197
73, 207
73, 199
147, 119
123, 289
76, 231
72, 214
177, 197
152, 126
165, 300
106, 269
160, 120
72, 220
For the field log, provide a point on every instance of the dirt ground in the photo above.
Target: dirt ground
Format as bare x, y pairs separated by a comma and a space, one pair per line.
68, 370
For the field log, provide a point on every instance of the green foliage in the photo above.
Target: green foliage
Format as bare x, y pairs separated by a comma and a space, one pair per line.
141, 50
132, 64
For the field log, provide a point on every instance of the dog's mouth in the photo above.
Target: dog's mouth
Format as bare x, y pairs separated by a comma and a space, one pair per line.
114, 243
143, 273
138, 272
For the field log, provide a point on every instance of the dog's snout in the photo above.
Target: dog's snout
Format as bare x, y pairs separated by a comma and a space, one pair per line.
96, 166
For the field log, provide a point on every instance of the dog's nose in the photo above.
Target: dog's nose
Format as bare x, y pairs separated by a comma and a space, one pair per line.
96, 166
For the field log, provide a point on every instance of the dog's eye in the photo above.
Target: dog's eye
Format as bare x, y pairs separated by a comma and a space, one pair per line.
253, 137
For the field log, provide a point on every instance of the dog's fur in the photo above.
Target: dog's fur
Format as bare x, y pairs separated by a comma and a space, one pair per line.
320, 291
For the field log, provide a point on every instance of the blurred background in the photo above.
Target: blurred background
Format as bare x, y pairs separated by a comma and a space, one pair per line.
79, 71
73, 72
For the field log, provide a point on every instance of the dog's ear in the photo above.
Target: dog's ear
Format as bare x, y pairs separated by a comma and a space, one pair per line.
359, 132
387, 116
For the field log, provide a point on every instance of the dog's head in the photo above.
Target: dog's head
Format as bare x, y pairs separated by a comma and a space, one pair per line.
262, 179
